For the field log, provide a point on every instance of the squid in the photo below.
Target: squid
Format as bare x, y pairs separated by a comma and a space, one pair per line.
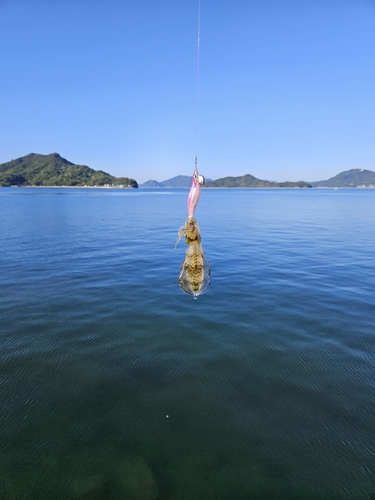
195, 271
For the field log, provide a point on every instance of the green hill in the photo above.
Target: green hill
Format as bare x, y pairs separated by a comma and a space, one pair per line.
251, 181
349, 178
53, 170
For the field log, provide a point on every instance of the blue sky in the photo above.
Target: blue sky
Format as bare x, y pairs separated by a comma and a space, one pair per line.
286, 87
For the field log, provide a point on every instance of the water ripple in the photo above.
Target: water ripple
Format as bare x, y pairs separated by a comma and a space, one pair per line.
112, 378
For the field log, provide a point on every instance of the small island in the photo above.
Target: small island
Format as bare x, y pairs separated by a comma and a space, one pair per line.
53, 170
251, 181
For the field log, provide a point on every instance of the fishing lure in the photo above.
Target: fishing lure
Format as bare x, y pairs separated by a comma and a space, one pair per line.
195, 272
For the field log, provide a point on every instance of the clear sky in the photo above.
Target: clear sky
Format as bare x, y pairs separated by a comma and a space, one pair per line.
287, 87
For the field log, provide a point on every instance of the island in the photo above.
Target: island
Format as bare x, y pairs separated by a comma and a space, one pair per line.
354, 178
53, 170
251, 181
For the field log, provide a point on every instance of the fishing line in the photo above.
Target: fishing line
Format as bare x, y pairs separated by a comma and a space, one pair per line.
197, 94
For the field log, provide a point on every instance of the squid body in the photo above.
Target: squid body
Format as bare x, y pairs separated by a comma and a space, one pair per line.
195, 272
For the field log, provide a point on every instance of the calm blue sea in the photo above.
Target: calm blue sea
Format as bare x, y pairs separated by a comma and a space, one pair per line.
116, 385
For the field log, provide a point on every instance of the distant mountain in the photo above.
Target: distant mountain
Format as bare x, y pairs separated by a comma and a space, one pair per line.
181, 181
53, 170
251, 181
152, 184
350, 178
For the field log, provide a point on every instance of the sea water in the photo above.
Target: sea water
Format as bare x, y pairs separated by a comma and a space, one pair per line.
114, 384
